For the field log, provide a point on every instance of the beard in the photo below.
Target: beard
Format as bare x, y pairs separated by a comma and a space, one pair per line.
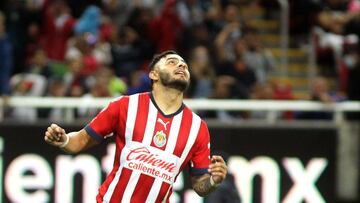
178, 84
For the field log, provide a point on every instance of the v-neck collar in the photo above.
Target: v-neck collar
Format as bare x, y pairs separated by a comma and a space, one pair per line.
162, 113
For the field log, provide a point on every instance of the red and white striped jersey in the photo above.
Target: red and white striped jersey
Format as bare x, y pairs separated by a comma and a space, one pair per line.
151, 148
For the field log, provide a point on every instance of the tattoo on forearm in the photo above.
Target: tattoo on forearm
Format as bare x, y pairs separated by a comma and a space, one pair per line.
202, 186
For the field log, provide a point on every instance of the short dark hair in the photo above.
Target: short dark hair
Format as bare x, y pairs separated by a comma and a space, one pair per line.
157, 58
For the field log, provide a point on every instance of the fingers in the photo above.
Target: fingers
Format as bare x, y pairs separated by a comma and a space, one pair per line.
218, 168
54, 134
216, 158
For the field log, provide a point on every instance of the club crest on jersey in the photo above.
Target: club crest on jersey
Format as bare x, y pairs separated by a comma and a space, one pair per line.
159, 139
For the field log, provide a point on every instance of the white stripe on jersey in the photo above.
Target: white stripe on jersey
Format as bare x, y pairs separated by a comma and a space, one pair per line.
148, 134
170, 147
130, 123
195, 127
131, 117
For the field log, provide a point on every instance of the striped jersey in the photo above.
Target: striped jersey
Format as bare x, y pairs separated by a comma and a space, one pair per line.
151, 148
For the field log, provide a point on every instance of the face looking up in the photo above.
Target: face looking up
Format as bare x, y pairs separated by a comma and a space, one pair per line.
173, 72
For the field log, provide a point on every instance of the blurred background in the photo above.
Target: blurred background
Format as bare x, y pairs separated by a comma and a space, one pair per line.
277, 80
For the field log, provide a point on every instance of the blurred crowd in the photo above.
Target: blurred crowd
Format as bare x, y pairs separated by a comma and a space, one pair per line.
335, 28
93, 48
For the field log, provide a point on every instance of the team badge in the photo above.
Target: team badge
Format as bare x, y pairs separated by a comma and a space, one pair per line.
159, 139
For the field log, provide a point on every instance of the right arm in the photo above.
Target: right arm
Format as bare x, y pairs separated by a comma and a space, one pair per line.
103, 124
72, 142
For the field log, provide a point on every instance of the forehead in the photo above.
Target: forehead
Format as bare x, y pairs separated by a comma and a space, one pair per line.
172, 56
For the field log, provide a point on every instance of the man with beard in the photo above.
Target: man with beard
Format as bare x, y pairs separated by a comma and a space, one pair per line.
156, 136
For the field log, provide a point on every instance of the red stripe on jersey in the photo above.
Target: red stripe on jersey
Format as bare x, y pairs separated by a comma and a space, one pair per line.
162, 124
143, 187
104, 187
120, 143
141, 117
184, 132
121, 185
163, 190
200, 149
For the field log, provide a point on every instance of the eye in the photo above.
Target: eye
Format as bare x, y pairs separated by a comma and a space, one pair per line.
173, 61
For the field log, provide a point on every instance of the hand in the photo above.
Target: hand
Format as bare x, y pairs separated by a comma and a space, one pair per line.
55, 135
217, 169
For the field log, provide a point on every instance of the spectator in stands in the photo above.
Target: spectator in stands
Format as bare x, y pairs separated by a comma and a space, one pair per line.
33, 42
104, 84
39, 64
120, 11
125, 51
261, 91
139, 82
238, 69
27, 84
231, 30
139, 20
258, 58
16, 25
226, 87
6, 58
166, 29
75, 81
57, 88
203, 73
321, 92
197, 35
190, 12
83, 46
332, 34
104, 75
57, 28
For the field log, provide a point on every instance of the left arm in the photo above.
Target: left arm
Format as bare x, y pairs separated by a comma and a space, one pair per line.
206, 183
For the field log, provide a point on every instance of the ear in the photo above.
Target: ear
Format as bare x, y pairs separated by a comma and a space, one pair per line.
154, 75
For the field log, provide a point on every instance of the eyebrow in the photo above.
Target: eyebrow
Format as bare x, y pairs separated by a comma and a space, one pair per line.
175, 58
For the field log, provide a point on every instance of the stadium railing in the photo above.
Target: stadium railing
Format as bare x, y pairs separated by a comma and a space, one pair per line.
270, 107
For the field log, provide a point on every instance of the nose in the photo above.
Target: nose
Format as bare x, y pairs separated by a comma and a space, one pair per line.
182, 65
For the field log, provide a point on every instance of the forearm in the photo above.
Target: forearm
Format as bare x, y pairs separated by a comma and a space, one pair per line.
78, 141
202, 185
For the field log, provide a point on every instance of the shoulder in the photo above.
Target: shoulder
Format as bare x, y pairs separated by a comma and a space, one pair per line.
197, 117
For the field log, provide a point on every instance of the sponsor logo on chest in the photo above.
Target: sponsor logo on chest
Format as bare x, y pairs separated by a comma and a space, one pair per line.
151, 161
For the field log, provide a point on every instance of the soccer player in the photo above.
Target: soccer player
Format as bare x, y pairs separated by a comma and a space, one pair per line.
156, 136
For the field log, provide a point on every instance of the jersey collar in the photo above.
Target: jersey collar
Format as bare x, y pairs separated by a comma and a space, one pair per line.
166, 115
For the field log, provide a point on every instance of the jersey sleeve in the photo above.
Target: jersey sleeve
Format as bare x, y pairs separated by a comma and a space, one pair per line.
105, 122
200, 160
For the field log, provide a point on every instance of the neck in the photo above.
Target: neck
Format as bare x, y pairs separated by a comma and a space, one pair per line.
169, 100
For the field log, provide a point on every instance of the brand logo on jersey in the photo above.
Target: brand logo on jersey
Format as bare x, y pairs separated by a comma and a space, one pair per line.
163, 123
151, 161
159, 139
144, 156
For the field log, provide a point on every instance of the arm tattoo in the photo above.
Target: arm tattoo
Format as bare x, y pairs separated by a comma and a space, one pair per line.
201, 185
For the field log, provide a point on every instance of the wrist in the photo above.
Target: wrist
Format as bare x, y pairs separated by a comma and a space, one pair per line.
212, 182
66, 142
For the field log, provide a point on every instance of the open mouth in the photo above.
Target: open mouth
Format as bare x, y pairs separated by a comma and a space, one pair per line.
181, 73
